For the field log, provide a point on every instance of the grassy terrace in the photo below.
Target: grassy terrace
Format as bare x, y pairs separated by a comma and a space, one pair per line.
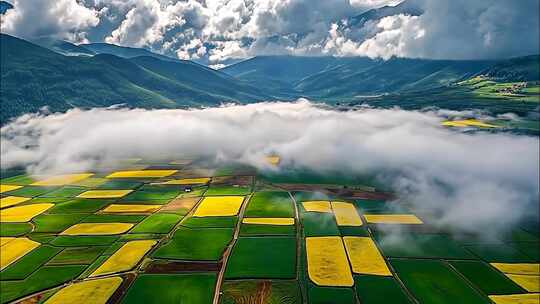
161, 235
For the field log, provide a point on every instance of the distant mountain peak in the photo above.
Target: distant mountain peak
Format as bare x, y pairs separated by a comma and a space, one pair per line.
407, 7
124, 51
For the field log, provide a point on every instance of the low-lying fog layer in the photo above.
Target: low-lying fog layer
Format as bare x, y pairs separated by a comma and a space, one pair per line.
479, 182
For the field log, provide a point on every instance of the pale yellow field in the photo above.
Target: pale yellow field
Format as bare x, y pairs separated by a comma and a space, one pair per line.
273, 160
180, 204
22, 213
467, 123
531, 298
61, 180
104, 193
392, 219
97, 229
365, 256
181, 162
91, 292
346, 214
531, 283
125, 258
518, 268
327, 262
12, 200
6, 188
5, 239
269, 221
317, 206
14, 250
119, 208
142, 174
219, 206
91, 182
187, 181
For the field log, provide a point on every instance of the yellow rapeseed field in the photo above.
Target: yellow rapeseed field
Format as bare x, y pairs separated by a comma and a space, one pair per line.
119, 208
518, 268
61, 180
142, 174
281, 221
97, 229
14, 250
6, 188
531, 283
125, 258
317, 206
187, 181
467, 123
531, 298
392, 219
12, 200
346, 214
327, 262
365, 257
219, 206
5, 239
104, 193
90, 292
273, 160
22, 213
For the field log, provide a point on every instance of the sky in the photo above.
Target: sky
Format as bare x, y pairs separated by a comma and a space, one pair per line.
217, 32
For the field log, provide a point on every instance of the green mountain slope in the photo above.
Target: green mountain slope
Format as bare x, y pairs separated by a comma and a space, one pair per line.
123, 51
515, 69
394, 75
33, 77
183, 71
333, 78
63, 47
279, 74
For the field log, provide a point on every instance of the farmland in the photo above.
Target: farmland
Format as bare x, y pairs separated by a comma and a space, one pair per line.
180, 232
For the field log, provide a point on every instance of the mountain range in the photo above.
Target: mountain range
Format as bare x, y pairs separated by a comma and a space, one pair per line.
33, 77
63, 75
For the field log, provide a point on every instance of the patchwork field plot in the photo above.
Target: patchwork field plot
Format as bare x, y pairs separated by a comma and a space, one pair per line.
196, 244
61, 180
190, 288
97, 291
185, 233
219, 206
125, 258
270, 204
419, 278
262, 257
487, 279
379, 289
261, 291
364, 256
327, 262
22, 213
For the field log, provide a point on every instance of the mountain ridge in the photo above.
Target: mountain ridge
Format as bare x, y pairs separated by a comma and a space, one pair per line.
33, 77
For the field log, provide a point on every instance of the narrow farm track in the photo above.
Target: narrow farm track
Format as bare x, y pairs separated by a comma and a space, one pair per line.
298, 247
226, 254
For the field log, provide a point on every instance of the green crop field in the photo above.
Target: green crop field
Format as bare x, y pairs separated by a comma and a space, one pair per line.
263, 257
270, 204
248, 245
